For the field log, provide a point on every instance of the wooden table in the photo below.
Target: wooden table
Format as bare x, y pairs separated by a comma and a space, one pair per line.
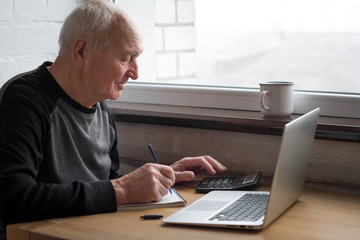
320, 213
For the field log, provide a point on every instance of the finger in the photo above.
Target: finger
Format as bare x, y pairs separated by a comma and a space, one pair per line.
163, 190
160, 172
158, 196
215, 164
157, 179
165, 183
167, 173
203, 163
184, 176
159, 188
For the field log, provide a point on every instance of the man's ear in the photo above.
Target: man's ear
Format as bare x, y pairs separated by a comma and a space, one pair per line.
80, 51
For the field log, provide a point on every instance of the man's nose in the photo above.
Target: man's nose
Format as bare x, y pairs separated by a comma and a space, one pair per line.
133, 70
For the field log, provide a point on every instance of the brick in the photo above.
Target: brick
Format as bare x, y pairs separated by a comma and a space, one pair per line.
178, 38
159, 38
165, 11
187, 64
29, 9
8, 68
30, 62
5, 10
29, 39
166, 65
58, 12
186, 11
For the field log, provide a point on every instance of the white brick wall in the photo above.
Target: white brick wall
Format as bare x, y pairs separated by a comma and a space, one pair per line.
179, 38
187, 64
29, 32
165, 11
166, 65
186, 11
176, 40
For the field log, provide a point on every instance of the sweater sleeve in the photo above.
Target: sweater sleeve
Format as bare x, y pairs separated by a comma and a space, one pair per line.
24, 126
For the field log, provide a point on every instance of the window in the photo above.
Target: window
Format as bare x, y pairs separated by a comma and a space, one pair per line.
238, 43
315, 43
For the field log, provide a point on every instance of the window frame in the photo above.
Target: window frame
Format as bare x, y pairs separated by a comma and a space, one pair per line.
236, 98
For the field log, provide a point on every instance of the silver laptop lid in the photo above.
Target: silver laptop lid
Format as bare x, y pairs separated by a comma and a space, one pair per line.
290, 173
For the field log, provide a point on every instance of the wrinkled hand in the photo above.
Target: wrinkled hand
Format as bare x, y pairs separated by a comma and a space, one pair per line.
147, 183
186, 168
152, 181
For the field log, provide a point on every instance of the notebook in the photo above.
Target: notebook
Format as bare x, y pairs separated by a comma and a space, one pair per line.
287, 184
173, 199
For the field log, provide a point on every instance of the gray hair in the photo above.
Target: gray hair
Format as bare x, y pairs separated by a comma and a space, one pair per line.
94, 20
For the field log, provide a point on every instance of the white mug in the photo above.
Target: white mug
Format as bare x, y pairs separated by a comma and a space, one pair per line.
277, 98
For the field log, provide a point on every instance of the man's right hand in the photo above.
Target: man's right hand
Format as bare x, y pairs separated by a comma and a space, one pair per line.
148, 183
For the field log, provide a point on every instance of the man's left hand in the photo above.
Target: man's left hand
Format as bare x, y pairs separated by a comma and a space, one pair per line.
186, 168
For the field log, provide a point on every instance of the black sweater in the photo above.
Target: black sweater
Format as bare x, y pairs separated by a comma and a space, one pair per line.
56, 156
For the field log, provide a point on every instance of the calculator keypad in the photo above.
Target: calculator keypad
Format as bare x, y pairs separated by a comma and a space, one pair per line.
228, 182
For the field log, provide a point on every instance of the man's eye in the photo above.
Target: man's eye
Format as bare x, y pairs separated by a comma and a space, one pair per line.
123, 62
133, 58
127, 59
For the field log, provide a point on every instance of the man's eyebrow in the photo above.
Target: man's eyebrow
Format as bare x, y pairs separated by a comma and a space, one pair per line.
129, 54
136, 53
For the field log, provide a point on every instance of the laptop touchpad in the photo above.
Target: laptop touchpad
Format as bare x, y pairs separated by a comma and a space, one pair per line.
206, 205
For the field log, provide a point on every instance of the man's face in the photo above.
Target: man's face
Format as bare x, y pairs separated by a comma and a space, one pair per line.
107, 71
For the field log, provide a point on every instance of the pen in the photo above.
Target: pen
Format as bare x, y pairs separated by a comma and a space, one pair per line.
152, 216
153, 154
156, 159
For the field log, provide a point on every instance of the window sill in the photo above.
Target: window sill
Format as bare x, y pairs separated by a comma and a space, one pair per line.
330, 128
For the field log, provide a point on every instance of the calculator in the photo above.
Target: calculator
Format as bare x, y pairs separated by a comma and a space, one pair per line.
228, 182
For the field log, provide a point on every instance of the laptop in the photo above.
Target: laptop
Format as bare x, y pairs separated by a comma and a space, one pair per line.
213, 208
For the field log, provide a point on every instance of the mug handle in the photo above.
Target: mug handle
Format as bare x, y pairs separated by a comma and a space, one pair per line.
262, 100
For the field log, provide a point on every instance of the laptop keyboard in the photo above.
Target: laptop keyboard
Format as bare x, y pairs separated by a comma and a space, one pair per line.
249, 207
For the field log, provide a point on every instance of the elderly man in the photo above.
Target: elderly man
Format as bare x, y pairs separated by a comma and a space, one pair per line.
58, 144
